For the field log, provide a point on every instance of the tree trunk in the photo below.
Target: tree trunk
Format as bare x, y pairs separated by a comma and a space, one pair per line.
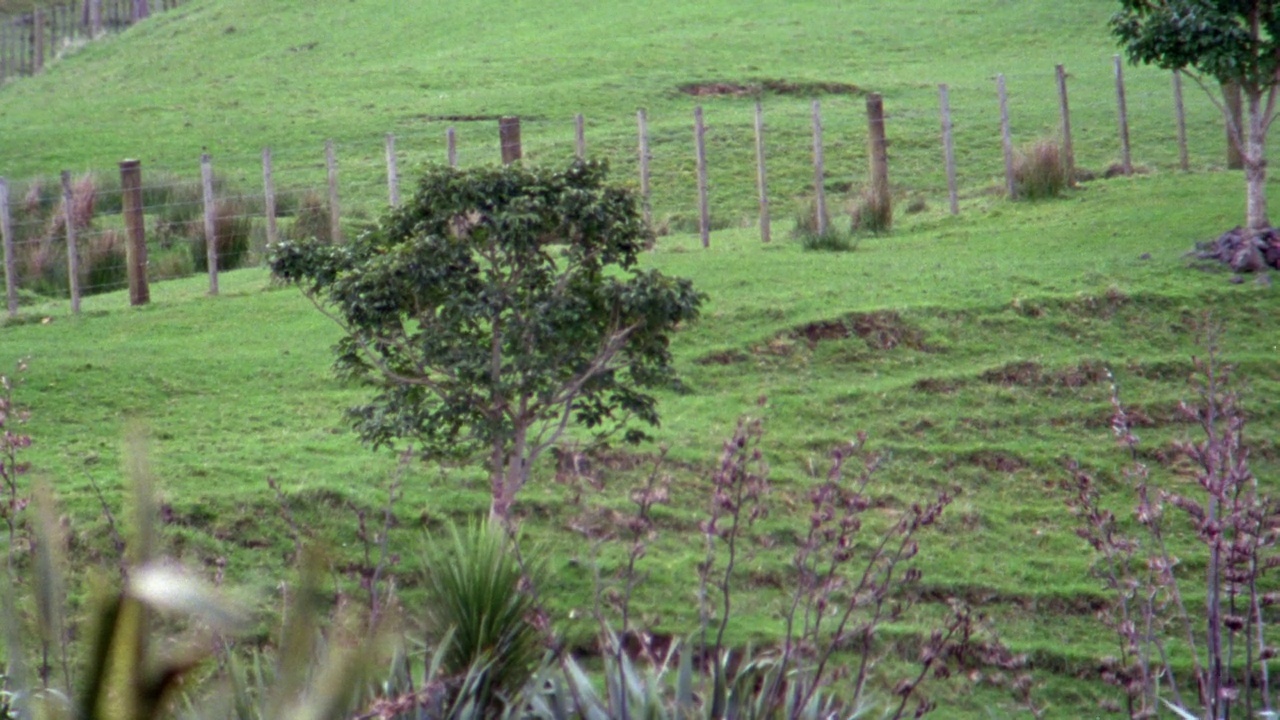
508, 474
1255, 166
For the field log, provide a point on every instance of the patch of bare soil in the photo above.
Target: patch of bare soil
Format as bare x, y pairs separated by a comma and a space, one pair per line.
730, 88
880, 330
937, 386
997, 461
1031, 374
724, 357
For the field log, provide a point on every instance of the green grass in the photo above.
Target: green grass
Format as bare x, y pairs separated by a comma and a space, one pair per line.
1002, 316
291, 74
237, 388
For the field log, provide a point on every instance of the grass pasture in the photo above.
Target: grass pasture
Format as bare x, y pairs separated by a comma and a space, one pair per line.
971, 349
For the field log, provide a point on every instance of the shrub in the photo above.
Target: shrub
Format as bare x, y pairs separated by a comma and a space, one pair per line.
1038, 171
233, 234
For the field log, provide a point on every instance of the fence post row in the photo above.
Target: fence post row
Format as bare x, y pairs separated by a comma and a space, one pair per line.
1126, 158
762, 184
879, 152
1233, 100
135, 225
37, 42
451, 146
210, 222
335, 215
1006, 138
580, 136
700, 146
509, 135
393, 172
1180, 116
1068, 149
10, 262
269, 193
949, 147
73, 251
819, 170
642, 121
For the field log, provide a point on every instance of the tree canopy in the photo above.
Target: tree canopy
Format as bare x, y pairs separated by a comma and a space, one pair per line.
494, 309
1236, 43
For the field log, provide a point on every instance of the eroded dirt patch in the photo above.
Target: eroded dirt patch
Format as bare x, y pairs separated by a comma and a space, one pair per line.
1027, 373
731, 88
724, 357
880, 330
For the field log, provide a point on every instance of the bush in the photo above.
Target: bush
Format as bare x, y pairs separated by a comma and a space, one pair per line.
1038, 171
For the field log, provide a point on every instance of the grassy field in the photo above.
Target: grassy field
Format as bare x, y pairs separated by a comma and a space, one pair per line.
980, 372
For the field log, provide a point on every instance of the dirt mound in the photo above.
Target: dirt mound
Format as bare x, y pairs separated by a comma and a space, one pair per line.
729, 88
880, 330
1243, 251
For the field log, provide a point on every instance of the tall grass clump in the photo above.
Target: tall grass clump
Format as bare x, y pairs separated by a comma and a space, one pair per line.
872, 212
233, 238
1038, 171
806, 230
310, 218
477, 614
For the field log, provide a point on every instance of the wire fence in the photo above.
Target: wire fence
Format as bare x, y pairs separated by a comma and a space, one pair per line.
28, 41
69, 236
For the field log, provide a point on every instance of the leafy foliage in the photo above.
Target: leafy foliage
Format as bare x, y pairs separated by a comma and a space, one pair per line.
493, 308
1214, 37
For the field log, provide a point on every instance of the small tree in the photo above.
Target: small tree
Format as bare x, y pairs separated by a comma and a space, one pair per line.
493, 309
1237, 43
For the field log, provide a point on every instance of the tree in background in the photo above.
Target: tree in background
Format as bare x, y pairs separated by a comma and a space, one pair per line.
495, 308
1237, 43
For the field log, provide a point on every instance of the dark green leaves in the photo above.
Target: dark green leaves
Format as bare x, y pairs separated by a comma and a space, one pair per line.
493, 303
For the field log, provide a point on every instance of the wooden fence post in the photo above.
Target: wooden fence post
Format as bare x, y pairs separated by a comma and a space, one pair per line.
1068, 149
451, 143
210, 222
141, 10
37, 42
73, 250
1180, 116
335, 214
393, 172
642, 121
10, 261
700, 146
95, 18
269, 192
1233, 103
819, 170
881, 195
762, 184
1006, 137
509, 135
1126, 157
580, 136
949, 148
135, 224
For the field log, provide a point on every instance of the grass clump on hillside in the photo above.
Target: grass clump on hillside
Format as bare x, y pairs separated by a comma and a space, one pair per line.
1039, 171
